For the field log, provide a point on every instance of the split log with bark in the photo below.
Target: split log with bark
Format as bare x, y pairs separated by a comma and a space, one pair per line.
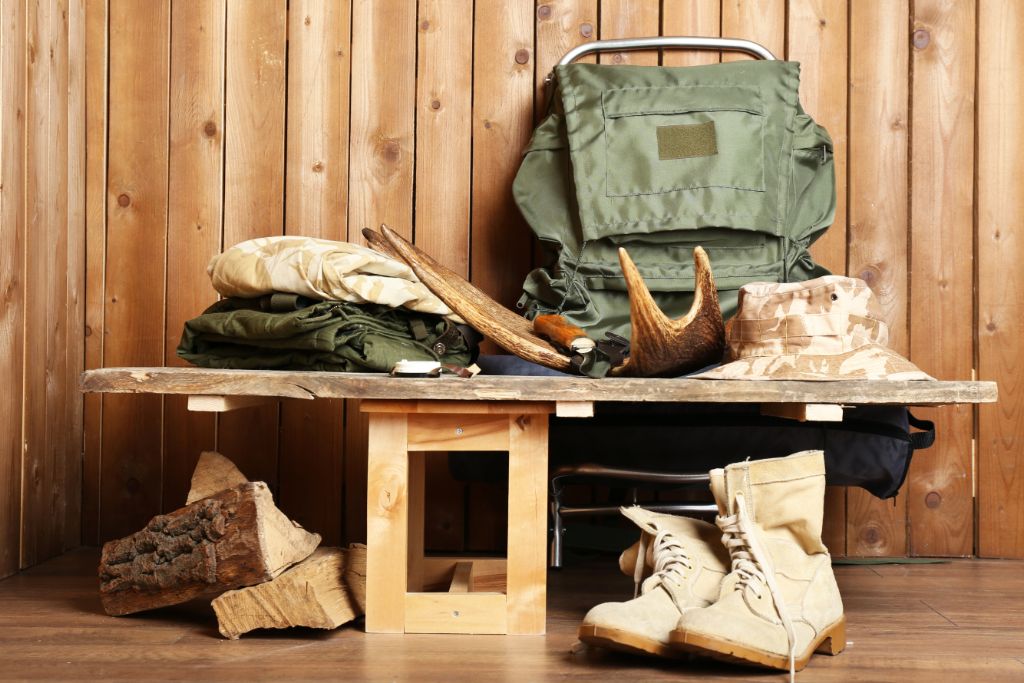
234, 538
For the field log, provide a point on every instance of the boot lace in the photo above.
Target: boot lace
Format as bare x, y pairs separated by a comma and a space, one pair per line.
670, 561
754, 573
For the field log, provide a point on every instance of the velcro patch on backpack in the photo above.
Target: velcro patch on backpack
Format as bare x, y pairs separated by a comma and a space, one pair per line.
687, 140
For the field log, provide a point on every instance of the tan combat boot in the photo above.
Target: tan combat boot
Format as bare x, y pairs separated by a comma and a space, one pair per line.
688, 563
780, 602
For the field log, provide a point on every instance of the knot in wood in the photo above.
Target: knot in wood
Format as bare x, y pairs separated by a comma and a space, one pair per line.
921, 38
544, 12
123, 200
210, 129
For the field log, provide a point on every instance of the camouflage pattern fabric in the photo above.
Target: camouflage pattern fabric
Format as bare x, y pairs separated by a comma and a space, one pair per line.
320, 269
828, 328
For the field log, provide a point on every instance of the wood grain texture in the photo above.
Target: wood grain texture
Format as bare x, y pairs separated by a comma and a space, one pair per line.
878, 215
416, 549
897, 619
137, 168
315, 593
939, 500
500, 388
817, 37
74, 351
381, 160
383, 116
561, 26
254, 164
630, 19
194, 212
312, 435
443, 192
691, 18
387, 524
234, 538
96, 20
528, 523
470, 613
443, 140
503, 65
762, 21
45, 453
1000, 204
13, 56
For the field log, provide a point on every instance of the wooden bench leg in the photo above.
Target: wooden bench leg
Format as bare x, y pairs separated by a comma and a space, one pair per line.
527, 524
387, 523
417, 516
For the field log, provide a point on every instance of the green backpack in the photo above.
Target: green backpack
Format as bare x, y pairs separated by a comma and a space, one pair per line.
662, 159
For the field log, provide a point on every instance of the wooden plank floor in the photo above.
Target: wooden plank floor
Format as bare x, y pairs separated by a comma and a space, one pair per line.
958, 621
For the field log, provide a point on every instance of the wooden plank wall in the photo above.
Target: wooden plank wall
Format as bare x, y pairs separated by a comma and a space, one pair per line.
42, 277
213, 121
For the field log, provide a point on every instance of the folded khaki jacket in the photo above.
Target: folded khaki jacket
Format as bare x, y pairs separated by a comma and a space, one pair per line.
320, 269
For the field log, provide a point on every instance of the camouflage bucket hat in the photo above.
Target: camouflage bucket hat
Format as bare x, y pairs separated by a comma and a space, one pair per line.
825, 329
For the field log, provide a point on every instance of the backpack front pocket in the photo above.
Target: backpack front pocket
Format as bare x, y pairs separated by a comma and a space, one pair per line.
681, 138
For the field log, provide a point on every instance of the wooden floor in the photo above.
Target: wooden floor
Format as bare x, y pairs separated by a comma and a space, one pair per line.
962, 621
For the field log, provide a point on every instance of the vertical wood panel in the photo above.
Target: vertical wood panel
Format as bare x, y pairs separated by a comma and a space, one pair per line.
1000, 239
443, 187
503, 64
50, 455
193, 216
818, 40
444, 106
878, 218
136, 236
312, 432
939, 500
95, 248
383, 115
75, 282
630, 19
254, 139
381, 168
37, 473
12, 250
763, 21
690, 18
561, 26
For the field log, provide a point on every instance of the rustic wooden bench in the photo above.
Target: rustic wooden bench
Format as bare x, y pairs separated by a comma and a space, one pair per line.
487, 413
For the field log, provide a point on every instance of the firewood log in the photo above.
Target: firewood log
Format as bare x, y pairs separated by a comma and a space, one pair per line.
325, 590
213, 474
234, 538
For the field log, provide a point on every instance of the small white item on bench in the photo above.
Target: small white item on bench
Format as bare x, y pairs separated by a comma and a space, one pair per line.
416, 368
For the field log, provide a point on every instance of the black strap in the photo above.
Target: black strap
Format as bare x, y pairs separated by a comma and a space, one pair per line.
924, 438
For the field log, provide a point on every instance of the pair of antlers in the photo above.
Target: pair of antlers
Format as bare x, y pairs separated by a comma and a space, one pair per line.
659, 346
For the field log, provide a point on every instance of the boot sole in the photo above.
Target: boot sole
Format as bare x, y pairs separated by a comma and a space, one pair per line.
624, 641
831, 641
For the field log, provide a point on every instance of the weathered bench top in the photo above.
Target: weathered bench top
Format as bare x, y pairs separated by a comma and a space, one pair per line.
309, 385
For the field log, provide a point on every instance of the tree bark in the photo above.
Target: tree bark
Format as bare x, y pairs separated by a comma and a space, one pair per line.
235, 538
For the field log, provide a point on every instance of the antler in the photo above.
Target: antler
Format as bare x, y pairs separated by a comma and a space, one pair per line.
661, 347
508, 330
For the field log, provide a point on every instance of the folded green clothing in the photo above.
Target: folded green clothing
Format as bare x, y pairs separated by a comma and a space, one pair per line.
338, 336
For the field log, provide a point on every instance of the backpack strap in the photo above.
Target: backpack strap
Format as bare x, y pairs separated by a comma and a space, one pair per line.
924, 438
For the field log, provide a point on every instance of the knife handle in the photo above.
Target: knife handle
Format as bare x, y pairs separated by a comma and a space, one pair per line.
563, 333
